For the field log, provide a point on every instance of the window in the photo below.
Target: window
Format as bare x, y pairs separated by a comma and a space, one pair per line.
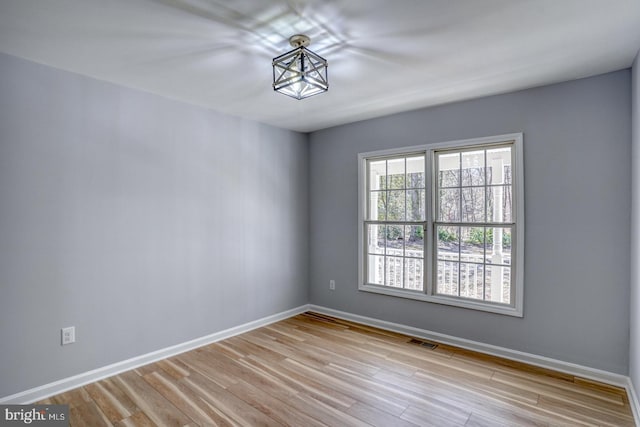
395, 221
444, 223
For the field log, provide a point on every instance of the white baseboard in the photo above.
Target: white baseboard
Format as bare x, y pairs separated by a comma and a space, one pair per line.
633, 401
519, 356
42, 392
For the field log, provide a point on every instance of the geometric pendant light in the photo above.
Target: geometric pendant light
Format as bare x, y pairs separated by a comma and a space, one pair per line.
300, 73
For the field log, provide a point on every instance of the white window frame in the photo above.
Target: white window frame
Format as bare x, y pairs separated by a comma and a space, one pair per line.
428, 294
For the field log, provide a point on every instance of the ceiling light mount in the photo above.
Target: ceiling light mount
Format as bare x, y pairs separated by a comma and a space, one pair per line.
299, 40
300, 73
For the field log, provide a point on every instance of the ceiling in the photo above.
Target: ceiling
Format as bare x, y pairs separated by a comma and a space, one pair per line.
384, 56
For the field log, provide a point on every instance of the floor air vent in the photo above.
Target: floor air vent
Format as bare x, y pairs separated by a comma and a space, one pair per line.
320, 317
421, 343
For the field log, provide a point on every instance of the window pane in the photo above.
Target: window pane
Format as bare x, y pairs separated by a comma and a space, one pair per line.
507, 204
395, 272
395, 173
377, 174
472, 244
377, 205
395, 205
499, 165
507, 175
414, 241
413, 273
449, 205
448, 169
498, 246
473, 168
447, 278
395, 240
376, 240
415, 205
473, 205
375, 269
499, 204
498, 284
471, 280
448, 243
415, 172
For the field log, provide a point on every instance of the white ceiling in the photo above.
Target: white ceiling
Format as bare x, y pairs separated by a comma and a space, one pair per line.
384, 56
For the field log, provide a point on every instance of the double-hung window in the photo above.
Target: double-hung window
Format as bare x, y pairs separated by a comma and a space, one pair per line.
445, 223
396, 221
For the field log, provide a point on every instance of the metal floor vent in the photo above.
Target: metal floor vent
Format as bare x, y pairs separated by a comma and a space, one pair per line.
421, 343
320, 317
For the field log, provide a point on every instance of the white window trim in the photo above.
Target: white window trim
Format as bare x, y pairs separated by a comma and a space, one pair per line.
517, 234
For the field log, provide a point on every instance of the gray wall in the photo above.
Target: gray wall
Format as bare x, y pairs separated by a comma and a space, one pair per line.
142, 221
577, 195
634, 344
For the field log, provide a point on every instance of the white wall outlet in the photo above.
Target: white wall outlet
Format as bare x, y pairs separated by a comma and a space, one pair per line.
68, 335
332, 285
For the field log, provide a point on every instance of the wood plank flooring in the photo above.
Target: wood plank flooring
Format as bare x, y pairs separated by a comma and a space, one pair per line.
314, 370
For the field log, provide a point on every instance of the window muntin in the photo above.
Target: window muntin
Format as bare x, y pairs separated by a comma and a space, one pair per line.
472, 227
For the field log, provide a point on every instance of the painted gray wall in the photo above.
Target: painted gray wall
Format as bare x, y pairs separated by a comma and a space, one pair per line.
577, 195
634, 342
142, 221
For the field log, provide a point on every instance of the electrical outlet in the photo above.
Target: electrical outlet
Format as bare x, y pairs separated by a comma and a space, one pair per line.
68, 335
332, 285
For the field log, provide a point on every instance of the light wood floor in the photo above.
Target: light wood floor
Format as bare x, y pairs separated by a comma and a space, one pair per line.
313, 370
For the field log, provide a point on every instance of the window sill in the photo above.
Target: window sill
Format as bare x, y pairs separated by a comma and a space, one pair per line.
439, 299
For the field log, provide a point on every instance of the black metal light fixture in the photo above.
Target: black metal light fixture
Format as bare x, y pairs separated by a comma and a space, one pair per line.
300, 73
